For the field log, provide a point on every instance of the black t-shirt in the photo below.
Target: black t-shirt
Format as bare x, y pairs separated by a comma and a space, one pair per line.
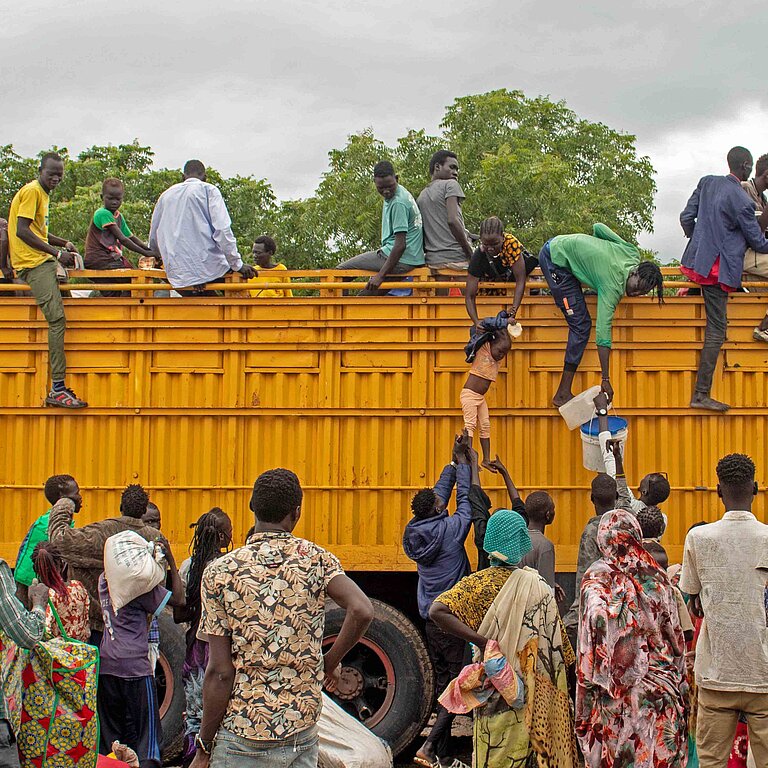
498, 268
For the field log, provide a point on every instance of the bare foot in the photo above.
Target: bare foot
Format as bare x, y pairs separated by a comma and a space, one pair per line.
425, 757
559, 400
489, 465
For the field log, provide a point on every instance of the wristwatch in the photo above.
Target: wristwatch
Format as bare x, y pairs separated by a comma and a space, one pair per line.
204, 745
602, 412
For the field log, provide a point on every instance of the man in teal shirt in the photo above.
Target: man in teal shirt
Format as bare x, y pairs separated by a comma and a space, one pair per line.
56, 487
402, 234
611, 267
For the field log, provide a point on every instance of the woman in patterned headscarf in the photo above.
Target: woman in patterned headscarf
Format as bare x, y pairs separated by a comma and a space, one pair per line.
516, 608
631, 694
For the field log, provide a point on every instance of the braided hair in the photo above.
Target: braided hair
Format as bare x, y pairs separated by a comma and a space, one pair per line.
206, 546
493, 225
650, 279
49, 567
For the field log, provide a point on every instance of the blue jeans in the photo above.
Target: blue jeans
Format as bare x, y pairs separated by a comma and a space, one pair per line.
298, 751
569, 297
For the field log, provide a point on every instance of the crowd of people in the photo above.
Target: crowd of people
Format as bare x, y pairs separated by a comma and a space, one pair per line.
652, 666
191, 236
612, 682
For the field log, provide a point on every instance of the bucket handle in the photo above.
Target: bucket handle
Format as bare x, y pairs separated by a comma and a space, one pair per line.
594, 416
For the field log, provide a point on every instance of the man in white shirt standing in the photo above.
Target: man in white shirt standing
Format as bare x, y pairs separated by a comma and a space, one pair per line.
725, 570
192, 231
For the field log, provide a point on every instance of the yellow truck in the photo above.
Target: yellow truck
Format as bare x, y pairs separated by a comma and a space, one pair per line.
194, 397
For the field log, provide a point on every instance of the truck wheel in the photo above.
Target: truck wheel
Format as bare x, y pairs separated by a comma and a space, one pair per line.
170, 689
386, 681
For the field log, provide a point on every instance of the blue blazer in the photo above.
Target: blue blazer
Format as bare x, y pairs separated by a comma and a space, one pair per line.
720, 221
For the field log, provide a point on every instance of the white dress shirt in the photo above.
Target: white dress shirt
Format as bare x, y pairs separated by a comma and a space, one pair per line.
726, 564
192, 231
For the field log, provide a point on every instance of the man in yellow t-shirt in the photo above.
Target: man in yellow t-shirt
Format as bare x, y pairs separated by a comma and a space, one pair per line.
264, 249
34, 255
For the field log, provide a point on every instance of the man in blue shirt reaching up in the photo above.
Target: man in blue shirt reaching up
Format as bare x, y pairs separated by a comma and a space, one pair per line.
434, 540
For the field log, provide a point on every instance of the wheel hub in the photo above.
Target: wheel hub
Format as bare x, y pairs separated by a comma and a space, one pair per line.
351, 684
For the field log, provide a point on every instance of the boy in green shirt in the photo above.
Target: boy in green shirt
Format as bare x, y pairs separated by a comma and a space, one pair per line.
611, 267
108, 234
56, 487
402, 234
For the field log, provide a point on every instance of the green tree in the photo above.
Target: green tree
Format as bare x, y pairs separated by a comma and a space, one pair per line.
532, 162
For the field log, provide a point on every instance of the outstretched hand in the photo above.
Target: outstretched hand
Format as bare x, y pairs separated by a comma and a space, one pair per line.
497, 465
614, 446
601, 400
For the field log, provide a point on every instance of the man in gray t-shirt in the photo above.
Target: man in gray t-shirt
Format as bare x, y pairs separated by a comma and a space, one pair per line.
445, 239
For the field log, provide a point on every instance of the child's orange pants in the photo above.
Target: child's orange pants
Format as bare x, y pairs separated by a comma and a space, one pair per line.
476, 415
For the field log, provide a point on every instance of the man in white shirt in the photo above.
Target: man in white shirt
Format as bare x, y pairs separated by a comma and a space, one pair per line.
725, 570
192, 231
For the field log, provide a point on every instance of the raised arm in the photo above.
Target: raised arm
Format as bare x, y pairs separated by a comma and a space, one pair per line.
516, 503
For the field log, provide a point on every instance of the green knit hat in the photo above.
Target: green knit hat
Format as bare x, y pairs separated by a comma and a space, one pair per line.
506, 537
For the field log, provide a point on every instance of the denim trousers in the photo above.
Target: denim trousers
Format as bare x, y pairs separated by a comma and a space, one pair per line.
569, 297
299, 751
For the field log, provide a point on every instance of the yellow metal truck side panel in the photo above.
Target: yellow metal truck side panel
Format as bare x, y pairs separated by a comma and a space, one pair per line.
194, 398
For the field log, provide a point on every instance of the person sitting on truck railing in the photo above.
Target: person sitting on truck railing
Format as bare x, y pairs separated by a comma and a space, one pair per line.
108, 233
720, 221
263, 610
446, 245
756, 264
35, 255
500, 258
268, 271
402, 237
612, 267
192, 231
434, 540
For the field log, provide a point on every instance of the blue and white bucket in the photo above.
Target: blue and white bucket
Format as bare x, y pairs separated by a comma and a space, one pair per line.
592, 454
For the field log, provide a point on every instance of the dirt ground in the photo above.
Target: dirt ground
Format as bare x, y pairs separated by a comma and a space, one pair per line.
461, 741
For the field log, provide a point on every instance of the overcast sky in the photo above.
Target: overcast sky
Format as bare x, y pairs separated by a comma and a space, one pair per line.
267, 88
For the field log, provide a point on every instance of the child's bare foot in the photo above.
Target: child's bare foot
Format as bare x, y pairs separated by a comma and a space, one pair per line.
489, 465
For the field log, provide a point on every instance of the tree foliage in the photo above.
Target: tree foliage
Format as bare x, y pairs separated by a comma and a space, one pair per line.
532, 162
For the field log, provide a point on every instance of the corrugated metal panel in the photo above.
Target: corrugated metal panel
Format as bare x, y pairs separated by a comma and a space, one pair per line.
360, 397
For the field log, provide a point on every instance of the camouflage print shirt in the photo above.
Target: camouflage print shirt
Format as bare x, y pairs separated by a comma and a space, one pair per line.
269, 598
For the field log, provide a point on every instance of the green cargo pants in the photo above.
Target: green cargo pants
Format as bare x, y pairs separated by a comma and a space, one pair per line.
45, 288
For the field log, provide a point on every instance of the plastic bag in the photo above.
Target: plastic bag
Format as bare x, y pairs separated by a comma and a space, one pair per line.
346, 743
133, 566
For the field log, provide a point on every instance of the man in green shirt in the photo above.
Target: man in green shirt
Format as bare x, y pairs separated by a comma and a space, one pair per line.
611, 267
402, 234
56, 487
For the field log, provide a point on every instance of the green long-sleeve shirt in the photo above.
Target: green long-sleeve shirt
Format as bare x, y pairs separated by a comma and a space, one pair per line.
601, 261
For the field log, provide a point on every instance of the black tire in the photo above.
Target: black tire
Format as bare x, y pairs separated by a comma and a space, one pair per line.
170, 689
393, 643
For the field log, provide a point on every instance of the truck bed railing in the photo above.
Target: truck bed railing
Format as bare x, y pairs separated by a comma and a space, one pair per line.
327, 282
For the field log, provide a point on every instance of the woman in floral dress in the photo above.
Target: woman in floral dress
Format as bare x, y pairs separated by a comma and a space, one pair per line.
631, 694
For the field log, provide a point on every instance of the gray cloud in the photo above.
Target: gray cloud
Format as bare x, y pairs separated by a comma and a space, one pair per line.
267, 88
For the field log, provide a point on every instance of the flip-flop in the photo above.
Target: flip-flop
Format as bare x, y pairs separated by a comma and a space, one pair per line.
423, 762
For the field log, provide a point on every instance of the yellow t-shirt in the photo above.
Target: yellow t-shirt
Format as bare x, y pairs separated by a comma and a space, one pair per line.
268, 276
30, 202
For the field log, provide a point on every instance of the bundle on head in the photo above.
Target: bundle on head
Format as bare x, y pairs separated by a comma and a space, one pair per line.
49, 567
